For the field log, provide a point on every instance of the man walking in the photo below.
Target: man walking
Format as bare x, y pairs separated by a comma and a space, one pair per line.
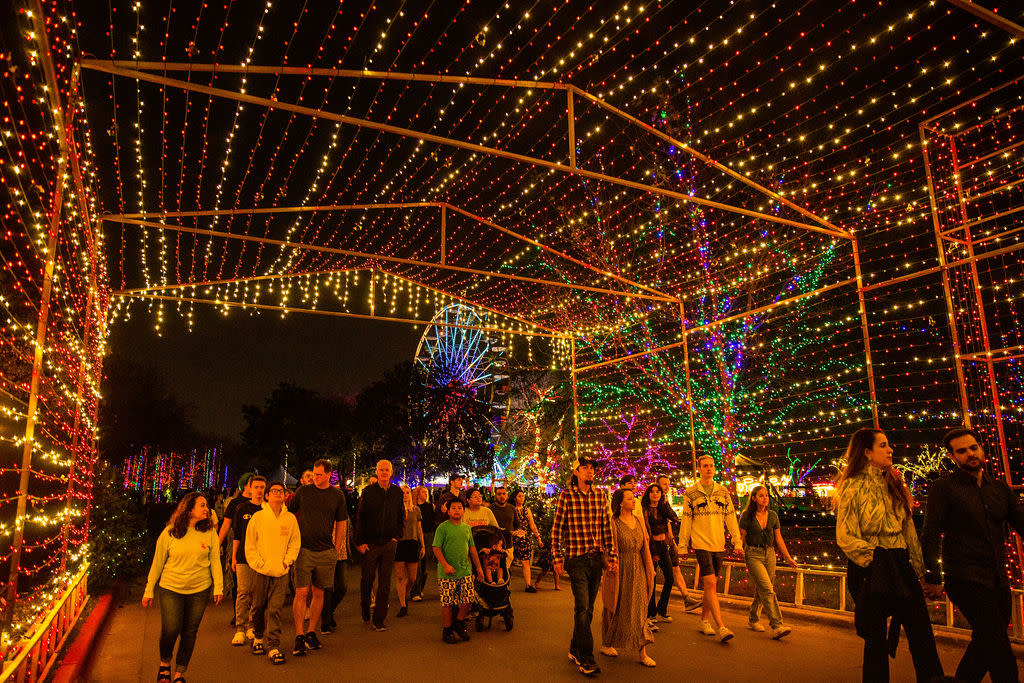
243, 573
380, 522
966, 514
322, 514
581, 541
271, 547
707, 510
453, 491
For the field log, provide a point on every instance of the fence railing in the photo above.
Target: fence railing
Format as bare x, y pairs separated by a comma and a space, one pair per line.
31, 659
825, 590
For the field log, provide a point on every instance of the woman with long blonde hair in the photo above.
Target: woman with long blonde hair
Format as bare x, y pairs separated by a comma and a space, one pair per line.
875, 529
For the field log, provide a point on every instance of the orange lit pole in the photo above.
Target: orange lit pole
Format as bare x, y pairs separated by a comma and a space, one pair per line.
861, 302
997, 410
965, 406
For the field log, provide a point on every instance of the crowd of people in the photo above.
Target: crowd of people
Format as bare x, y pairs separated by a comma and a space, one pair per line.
610, 545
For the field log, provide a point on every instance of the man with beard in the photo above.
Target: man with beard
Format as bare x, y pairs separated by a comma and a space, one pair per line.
966, 514
581, 541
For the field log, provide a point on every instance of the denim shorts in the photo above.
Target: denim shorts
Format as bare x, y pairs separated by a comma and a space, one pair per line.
709, 561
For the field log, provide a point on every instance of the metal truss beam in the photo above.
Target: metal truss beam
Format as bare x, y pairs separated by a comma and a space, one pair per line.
126, 69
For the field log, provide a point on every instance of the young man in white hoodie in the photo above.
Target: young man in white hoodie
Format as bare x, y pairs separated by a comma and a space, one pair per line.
271, 546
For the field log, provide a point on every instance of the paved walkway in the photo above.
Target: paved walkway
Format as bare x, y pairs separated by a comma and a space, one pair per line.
535, 650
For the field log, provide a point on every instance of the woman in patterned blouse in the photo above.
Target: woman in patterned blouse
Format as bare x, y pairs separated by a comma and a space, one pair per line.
875, 530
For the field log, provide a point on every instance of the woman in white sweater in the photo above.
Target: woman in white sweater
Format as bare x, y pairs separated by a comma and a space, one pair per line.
186, 567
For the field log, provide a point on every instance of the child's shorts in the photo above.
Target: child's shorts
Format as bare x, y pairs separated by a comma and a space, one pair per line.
456, 591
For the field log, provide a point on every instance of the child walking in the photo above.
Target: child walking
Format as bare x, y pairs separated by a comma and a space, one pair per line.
454, 548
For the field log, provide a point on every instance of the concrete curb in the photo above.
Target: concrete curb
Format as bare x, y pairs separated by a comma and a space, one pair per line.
75, 662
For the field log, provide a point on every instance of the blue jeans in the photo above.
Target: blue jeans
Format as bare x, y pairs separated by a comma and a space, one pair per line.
761, 565
180, 615
585, 577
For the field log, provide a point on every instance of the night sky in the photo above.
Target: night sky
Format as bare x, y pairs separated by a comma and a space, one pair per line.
226, 362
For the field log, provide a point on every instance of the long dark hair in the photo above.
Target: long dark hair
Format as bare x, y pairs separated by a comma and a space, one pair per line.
645, 501
857, 460
179, 520
751, 508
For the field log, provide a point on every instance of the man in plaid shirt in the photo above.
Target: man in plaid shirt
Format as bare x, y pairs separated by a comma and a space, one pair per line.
581, 540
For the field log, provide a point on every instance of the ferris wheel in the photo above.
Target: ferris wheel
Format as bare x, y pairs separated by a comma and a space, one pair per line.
462, 361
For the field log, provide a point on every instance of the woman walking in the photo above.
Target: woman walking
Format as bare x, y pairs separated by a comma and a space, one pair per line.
522, 547
625, 592
421, 496
409, 552
876, 532
762, 534
186, 568
657, 523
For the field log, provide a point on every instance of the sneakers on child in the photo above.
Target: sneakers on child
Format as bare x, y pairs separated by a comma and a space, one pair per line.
460, 629
755, 626
781, 632
275, 656
725, 635
239, 638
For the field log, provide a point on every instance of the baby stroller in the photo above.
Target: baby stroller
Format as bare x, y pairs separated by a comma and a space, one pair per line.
494, 594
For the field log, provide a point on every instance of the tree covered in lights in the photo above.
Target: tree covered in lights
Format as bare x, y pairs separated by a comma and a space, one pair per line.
631, 449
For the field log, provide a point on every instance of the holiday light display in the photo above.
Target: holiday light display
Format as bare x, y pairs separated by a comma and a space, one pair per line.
733, 200
154, 472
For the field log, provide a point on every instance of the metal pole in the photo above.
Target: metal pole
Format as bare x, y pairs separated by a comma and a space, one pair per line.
575, 404
861, 302
965, 405
572, 129
689, 394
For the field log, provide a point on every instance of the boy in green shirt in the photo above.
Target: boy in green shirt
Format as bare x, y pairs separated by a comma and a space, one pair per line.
454, 548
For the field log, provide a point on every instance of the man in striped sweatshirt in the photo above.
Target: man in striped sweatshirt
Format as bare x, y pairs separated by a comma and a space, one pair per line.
707, 510
271, 545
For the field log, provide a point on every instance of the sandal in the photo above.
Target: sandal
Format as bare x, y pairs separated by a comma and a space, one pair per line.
647, 661
178, 678
163, 675
276, 657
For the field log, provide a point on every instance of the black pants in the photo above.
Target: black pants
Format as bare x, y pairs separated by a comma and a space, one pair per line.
660, 548
180, 615
912, 611
421, 575
988, 611
333, 598
378, 560
585, 576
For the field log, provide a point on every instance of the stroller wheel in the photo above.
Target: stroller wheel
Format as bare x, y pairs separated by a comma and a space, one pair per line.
506, 616
479, 623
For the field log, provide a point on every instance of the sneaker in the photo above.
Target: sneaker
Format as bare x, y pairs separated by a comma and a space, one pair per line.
755, 626
531, 589
239, 638
275, 656
417, 598
460, 629
707, 629
448, 636
380, 627
328, 629
725, 635
781, 632
312, 642
665, 618
404, 612
590, 669
257, 646
609, 652
300, 646
691, 603
250, 634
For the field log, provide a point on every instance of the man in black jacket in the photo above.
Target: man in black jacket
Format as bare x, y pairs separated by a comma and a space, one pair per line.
379, 524
967, 513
